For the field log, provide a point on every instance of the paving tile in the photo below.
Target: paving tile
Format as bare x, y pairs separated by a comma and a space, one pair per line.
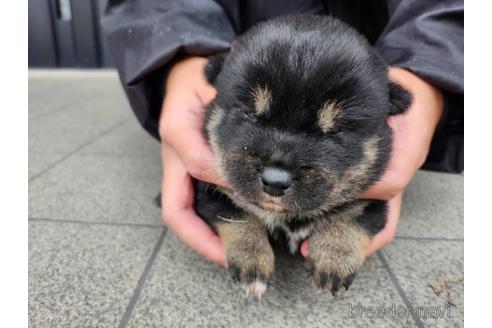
433, 206
129, 139
54, 92
41, 161
98, 188
45, 96
66, 130
183, 290
431, 274
84, 275
65, 114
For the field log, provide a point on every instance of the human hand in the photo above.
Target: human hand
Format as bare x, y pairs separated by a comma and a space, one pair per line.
186, 154
412, 136
181, 122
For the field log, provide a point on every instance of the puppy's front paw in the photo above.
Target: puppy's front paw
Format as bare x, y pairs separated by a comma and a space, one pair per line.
337, 249
252, 268
249, 254
335, 258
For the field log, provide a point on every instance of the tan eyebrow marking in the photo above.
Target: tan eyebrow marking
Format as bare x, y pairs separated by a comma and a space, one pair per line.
327, 115
262, 98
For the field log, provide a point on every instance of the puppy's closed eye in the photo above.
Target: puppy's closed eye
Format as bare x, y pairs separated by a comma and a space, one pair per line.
248, 114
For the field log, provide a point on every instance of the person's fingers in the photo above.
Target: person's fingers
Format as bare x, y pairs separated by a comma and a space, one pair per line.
385, 236
206, 93
187, 75
382, 238
181, 127
178, 213
200, 161
393, 182
182, 119
412, 134
305, 248
402, 164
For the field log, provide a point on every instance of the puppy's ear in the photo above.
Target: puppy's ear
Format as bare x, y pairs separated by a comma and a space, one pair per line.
213, 67
400, 99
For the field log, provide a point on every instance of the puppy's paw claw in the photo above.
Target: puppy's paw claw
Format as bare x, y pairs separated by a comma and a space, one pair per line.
255, 288
348, 280
329, 279
252, 281
334, 282
234, 271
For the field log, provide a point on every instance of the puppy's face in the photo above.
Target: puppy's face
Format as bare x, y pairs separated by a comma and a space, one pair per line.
299, 122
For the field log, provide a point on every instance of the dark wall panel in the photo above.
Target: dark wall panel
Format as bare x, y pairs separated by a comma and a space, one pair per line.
84, 31
61, 14
66, 33
42, 49
103, 47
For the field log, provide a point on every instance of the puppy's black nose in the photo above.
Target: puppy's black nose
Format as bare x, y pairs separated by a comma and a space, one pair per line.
275, 180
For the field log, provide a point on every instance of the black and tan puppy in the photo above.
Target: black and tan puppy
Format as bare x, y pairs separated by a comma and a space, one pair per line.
298, 128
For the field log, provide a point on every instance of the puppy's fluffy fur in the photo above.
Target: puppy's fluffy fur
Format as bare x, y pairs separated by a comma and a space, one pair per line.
298, 128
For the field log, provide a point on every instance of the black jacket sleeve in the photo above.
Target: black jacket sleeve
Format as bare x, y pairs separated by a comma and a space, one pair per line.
144, 37
426, 37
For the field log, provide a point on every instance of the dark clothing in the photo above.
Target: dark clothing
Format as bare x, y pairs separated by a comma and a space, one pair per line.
425, 37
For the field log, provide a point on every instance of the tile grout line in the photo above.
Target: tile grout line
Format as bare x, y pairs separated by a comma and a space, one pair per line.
100, 154
130, 224
120, 155
79, 148
149, 225
399, 289
141, 282
428, 238
63, 108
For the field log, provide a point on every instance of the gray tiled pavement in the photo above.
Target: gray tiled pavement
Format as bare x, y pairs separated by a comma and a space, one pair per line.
99, 257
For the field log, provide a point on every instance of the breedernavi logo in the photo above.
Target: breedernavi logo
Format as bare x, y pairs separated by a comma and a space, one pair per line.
398, 311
